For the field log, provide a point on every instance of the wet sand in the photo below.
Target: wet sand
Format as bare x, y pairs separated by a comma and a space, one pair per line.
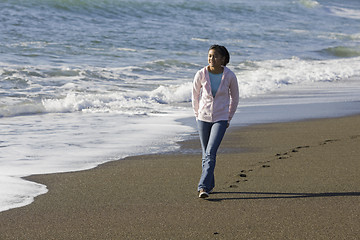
297, 180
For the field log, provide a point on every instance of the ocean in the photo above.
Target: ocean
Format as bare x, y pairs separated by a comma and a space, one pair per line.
83, 82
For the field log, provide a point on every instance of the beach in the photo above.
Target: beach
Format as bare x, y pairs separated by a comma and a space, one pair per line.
295, 180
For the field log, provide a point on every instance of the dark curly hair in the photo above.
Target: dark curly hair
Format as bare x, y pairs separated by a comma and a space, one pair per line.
222, 51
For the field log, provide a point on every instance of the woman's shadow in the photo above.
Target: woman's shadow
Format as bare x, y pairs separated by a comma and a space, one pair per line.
218, 196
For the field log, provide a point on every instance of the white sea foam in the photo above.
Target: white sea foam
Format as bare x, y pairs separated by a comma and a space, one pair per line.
310, 3
79, 94
127, 49
200, 39
256, 78
52, 143
16, 192
172, 94
345, 12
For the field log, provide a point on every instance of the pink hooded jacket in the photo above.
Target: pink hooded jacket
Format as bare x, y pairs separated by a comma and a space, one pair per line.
221, 107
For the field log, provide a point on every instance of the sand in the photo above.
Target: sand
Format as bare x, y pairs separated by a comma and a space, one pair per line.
295, 180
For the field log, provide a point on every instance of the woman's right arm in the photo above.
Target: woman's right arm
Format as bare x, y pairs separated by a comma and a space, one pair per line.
195, 96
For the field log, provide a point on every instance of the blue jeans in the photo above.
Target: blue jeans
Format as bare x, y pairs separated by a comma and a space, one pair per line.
211, 135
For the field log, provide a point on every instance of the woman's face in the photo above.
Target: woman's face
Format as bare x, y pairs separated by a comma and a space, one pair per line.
215, 60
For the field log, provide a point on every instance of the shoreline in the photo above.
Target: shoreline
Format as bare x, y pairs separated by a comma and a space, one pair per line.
249, 115
265, 174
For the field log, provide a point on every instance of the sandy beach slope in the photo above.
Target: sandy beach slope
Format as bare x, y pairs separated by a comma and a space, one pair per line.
297, 180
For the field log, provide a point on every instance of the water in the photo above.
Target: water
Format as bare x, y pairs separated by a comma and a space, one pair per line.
83, 82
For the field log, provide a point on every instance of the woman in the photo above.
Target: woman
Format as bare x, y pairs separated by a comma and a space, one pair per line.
215, 96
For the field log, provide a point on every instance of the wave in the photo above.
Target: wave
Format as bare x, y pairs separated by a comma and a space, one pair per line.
343, 52
109, 8
257, 78
345, 12
145, 91
130, 103
340, 36
309, 3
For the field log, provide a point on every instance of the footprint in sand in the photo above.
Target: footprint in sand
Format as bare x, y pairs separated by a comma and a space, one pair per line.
295, 150
242, 176
282, 155
302, 147
265, 161
329, 141
238, 181
265, 164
